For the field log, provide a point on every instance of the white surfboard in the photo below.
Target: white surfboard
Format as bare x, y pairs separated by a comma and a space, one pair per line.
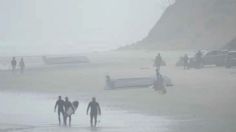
70, 111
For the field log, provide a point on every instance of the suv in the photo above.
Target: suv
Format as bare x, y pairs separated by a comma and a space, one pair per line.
215, 57
231, 59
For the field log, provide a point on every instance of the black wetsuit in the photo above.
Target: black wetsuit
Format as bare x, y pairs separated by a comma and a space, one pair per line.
94, 111
22, 66
13, 64
67, 105
60, 110
185, 59
158, 61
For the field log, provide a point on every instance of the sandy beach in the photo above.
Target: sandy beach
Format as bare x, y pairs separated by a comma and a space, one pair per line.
200, 100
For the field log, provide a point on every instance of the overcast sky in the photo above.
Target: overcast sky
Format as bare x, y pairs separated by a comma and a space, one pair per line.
43, 26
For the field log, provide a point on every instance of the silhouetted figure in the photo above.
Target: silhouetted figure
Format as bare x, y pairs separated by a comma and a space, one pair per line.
67, 105
186, 59
60, 105
94, 111
13, 64
109, 82
158, 61
159, 83
22, 65
199, 60
157, 73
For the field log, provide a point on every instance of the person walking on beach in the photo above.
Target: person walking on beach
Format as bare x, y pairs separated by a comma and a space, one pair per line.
158, 61
22, 65
67, 105
60, 105
13, 64
159, 83
199, 60
94, 111
186, 59
109, 83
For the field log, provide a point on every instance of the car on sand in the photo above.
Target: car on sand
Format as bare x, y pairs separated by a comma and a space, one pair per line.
215, 57
231, 59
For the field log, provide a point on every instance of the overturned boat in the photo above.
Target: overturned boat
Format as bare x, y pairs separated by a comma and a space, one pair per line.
137, 82
51, 60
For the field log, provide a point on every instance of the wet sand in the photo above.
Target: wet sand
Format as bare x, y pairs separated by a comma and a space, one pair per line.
30, 112
200, 100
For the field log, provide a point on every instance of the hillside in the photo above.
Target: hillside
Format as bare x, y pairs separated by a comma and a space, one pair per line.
193, 24
231, 45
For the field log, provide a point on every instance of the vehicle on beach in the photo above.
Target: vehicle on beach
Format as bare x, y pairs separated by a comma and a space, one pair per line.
230, 59
52, 60
215, 57
212, 57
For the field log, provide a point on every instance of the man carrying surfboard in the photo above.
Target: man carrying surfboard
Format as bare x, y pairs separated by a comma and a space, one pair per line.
68, 105
94, 111
60, 105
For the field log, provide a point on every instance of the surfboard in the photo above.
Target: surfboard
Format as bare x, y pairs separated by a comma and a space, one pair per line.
75, 105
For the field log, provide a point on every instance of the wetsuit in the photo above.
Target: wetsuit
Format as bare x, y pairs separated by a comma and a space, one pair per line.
158, 61
60, 110
185, 62
67, 105
94, 111
13, 64
22, 66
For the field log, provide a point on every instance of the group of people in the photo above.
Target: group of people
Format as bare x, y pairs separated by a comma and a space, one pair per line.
21, 64
195, 62
62, 107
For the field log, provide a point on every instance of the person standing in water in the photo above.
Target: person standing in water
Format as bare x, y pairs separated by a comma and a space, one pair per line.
60, 105
67, 105
22, 65
94, 111
158, 61
13, 64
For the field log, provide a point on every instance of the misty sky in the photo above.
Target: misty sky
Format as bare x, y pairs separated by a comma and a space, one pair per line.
71, 26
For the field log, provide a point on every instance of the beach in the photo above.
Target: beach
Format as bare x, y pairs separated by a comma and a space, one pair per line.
200, 100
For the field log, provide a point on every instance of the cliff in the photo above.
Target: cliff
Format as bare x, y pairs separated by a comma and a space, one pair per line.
193, 24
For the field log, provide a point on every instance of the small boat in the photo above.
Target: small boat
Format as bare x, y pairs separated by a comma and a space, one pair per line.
137, 82
52, 60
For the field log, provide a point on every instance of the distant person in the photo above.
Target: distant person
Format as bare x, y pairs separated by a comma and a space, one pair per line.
67, 105
186, 61
60, 109
13, 64
199, 60
157, 73
109, 82
159, 83
158, 61
22, 65
94, 111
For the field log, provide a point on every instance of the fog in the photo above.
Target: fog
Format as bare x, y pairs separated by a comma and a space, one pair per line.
73, 26
98, 65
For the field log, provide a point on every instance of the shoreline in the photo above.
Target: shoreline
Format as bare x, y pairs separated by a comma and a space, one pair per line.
198, 95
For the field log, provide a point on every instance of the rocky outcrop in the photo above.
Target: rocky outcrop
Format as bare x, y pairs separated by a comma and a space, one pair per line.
188, 24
